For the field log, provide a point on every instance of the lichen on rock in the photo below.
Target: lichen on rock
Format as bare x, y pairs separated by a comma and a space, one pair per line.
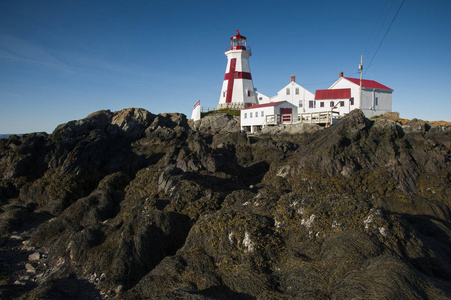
134, 205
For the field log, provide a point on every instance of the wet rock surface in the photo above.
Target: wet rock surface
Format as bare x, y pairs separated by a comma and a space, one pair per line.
132, 205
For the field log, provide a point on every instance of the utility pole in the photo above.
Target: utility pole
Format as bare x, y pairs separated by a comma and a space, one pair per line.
361, 71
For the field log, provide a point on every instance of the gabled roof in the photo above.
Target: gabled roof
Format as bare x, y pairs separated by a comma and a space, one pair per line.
264, 105
368, 83
333, 94
296, 85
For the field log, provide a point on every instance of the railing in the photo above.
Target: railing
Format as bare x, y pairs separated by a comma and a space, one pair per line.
238, 48
325, 117
207, 109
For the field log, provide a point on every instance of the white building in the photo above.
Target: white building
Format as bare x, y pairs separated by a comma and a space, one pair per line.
376, 97
337, 100
292, 92
237, 89
255, 116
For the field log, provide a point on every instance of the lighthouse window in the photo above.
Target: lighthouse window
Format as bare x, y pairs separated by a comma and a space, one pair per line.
288, 91
236, 75
223, 94
297, 91
248, 93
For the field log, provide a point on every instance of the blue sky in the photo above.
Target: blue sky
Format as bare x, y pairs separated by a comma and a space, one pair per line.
62, 60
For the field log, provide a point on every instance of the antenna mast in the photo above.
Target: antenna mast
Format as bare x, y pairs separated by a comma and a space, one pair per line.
361, 71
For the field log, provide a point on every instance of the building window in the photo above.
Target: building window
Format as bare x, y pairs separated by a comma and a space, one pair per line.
262, 114
297, 91
376, 101
250, 115
300, 103
288, 91
352, 100
245, 115
342, 103
312, 104
260, 98
332, 104
321, 104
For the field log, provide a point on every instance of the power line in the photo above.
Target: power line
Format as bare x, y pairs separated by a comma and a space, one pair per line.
324, 82
384, 36
377, 27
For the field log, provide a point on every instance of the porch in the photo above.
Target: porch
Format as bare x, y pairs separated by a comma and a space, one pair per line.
325, 118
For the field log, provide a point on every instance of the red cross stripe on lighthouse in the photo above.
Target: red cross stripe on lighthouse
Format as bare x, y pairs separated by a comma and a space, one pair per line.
238, 75
231, 76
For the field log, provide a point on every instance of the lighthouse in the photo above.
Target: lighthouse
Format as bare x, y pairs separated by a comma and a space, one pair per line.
237, 89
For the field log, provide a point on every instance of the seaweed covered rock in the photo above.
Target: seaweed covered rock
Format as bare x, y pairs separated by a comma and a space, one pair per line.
134, 205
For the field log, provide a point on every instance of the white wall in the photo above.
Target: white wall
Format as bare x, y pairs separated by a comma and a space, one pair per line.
195, 115
240, 86
368, 103
343, 110
264, 98
258, 119
346, 84
296, 99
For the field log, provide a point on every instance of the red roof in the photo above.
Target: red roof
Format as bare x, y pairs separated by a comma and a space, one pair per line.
369, 83
333, 94
264, 105
238, 36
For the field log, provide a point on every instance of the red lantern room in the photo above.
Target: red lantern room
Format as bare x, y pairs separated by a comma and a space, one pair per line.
238, 42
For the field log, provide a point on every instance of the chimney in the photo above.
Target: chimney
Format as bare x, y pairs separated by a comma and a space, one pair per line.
341, 74
292, 78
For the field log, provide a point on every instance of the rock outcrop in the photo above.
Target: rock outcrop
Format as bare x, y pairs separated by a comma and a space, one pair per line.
215, 123
134, 205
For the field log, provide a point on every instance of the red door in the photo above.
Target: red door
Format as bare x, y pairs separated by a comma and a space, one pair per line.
286, 114
285, 111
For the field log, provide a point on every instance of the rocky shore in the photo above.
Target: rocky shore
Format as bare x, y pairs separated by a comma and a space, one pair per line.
133, 205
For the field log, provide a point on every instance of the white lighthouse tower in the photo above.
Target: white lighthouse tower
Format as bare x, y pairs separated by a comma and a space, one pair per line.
237, 90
